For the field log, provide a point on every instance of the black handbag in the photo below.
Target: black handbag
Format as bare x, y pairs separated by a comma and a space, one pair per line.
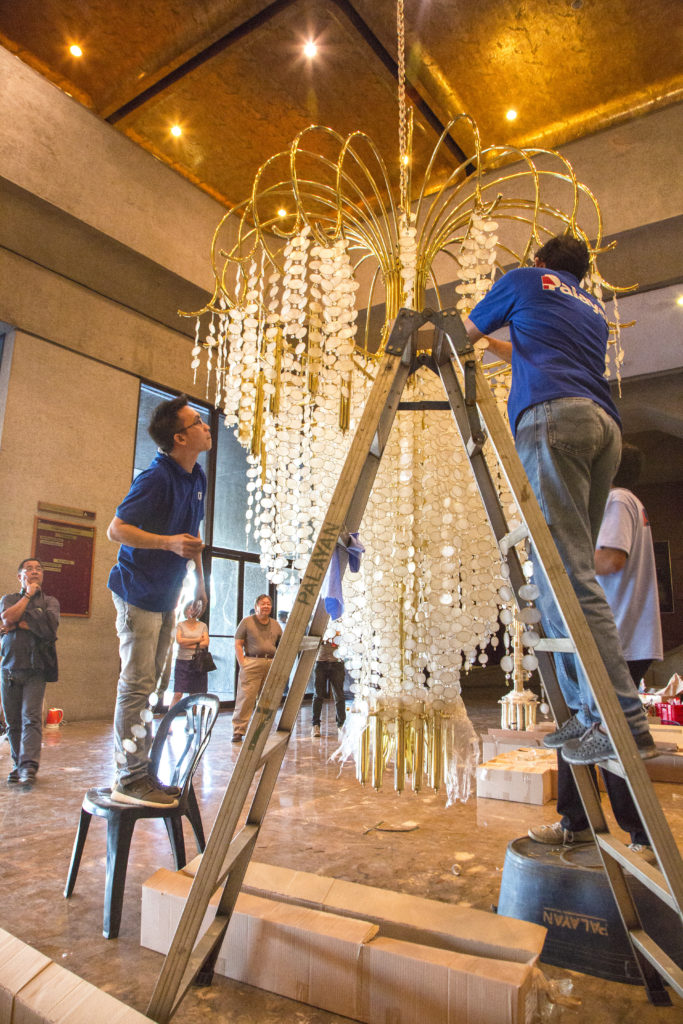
202, 660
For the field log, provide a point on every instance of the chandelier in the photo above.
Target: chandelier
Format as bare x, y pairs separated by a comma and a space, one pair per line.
310, 272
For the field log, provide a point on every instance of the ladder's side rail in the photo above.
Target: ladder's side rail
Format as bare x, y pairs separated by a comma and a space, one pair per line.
358, 473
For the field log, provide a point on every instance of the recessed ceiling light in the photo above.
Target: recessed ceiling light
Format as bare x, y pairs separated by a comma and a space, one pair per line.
75, 50
511, 115
679, 300
176, 130
310, 49
282, 212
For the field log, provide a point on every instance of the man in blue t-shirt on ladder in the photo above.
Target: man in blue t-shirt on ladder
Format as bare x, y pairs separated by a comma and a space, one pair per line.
568, 437
157, 526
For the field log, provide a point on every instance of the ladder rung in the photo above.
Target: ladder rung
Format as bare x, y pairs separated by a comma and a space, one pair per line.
563, 644
274, 743
245, 838
310, 643
512, 538
662, 963
636, 866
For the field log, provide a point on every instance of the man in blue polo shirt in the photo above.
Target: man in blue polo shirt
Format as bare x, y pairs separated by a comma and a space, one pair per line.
568, 436
157, 526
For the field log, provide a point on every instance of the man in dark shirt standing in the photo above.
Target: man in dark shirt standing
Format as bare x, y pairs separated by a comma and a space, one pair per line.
568, 436
28, 618
328, 669
157, 526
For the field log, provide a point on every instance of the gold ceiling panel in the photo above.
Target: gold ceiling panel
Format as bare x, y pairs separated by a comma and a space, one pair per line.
569, 67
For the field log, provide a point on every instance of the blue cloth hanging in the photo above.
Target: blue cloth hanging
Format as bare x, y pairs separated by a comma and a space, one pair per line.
344, 554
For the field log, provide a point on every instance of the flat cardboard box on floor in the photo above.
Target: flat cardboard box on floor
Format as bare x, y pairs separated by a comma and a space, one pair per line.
404, 982
35, 990
398, 915
401, 916
19, 964
337, 963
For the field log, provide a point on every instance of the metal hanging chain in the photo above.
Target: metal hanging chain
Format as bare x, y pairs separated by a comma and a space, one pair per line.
402, 116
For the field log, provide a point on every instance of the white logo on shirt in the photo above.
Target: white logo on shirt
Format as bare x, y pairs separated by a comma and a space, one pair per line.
551, 283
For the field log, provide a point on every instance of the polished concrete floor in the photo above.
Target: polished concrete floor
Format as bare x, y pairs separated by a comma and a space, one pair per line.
318, 822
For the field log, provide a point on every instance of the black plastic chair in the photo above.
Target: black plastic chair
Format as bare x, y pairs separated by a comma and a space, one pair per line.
199, 712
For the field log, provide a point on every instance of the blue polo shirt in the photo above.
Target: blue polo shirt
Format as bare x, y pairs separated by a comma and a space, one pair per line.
164, 499
559, 338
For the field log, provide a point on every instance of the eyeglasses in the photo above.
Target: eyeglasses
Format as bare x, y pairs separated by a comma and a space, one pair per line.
197, 422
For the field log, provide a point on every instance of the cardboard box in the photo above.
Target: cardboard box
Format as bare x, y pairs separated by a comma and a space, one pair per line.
403, 982
667, 733
19, 964
663, 768
340, 964
527, 775
34, 990
398, 915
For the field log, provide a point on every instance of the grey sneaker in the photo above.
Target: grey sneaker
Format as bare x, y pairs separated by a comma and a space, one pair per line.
645, 851
595, 746
13, 777
315, 731
555, 835
143, 791
571, 730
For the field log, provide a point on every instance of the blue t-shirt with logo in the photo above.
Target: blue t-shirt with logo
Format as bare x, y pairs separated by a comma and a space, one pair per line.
164, 499
559, 338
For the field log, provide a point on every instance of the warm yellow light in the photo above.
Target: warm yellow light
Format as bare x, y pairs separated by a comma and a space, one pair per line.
679, 300
75, 50
511, 115
310, 49
406, 159
282, 212
176, 130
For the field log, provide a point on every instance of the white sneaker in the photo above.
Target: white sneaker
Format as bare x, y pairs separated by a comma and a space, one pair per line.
315, 731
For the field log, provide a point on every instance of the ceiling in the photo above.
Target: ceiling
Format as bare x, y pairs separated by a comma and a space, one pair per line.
232, 73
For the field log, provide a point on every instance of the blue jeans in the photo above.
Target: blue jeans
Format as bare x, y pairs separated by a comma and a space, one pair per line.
145, 640
570, 449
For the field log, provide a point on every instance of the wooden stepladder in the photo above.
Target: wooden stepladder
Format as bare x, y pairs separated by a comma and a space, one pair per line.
229, 851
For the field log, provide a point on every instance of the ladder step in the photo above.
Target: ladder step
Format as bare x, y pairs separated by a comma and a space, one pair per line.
276, 742
243, 843
563, 644
662, 963
310, 643
646, 873
512, 538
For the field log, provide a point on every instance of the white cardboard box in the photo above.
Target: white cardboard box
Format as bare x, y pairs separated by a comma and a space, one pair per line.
527, 775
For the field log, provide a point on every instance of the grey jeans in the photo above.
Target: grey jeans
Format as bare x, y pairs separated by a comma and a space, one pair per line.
22, 704
570, 449
145, 640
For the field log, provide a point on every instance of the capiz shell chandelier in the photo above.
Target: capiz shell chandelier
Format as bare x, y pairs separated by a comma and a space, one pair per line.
301, 310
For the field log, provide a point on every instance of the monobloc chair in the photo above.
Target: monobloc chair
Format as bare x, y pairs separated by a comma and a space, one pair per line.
197, 712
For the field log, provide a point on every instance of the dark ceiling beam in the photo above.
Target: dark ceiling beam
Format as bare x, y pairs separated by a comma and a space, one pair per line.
229, 39
256, 22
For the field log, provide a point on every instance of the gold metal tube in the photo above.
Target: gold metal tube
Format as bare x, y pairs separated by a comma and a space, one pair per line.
363, 761
436, 752
377, 728
400, 754
418, 753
